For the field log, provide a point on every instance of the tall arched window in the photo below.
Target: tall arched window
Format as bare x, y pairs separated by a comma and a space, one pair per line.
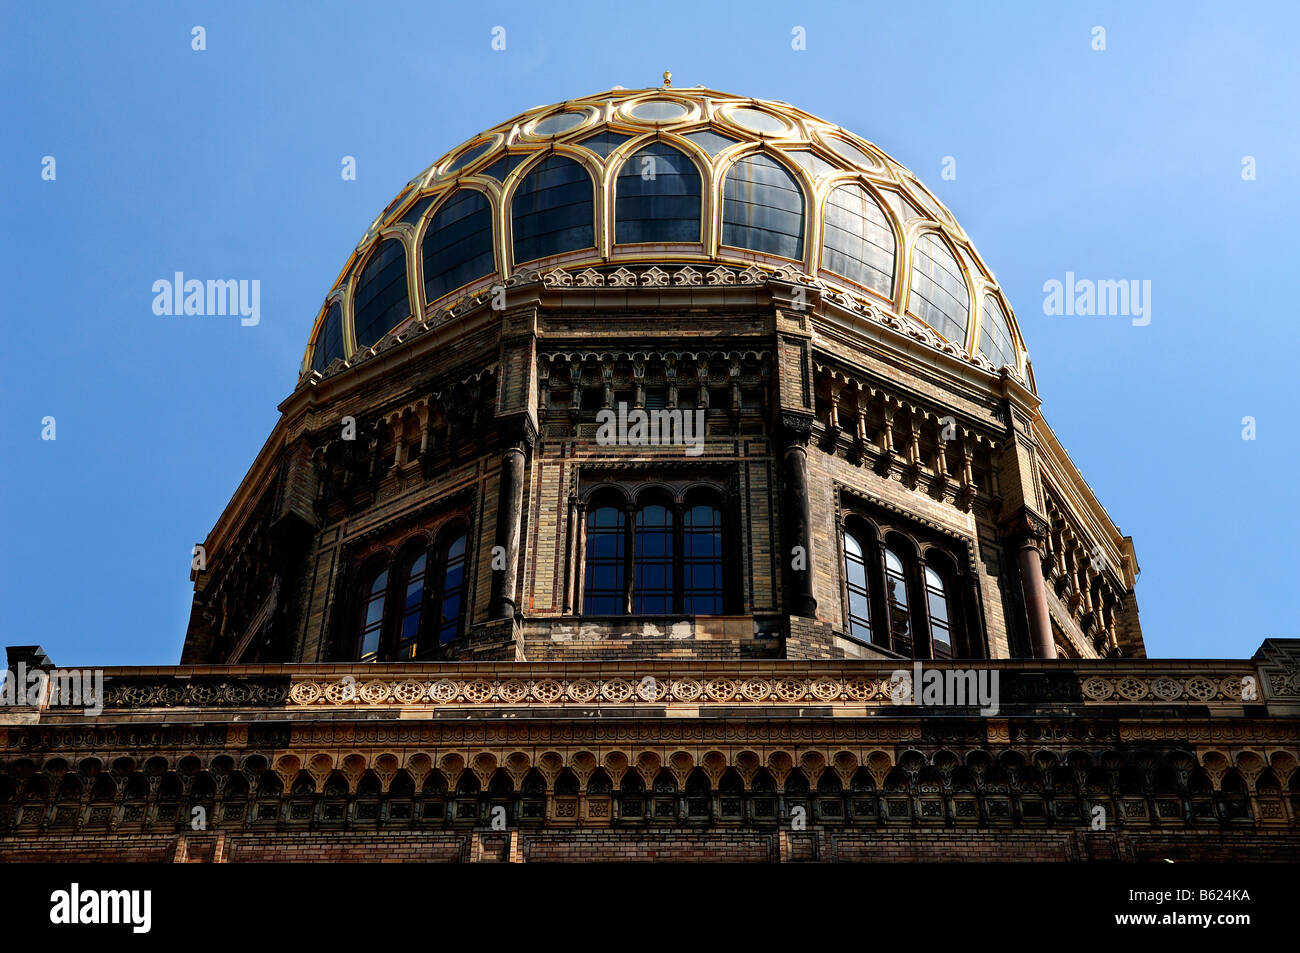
553, 210
451, 591
408, 628
457, 246
424, 606
329, 340
763, 208
936, 597
381, 301
653, 561
859, 243
702, 560
657, 197
604, 583
372, 618
900, 622
855, 578
938, 296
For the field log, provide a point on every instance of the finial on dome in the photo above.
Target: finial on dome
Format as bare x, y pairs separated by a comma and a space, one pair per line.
668, 78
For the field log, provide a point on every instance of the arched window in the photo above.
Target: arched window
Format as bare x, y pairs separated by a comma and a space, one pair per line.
329, 340
938, 296
408, 628
372, 618
604, 585
900, 622
427, 601
995, 334
763, 208
652, 561
859, 242
855, 578
381, 301
702, 560
457, 246
553, 210
657, 197
936, 597
451, 592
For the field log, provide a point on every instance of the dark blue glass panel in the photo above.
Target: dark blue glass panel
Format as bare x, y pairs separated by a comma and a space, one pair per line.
505, 165
658, 197
381, 302
553, 210
859, 241
603, 143
710, 141
457, 246
329, 340
763, 208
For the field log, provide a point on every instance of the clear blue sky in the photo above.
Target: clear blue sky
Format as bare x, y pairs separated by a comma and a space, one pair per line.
225, 163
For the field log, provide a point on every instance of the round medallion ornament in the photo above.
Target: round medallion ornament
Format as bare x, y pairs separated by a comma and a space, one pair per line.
825, 689
1131, 688
686, 689
547, 691
1098, 688
790, 689
512, 691
582, 690
1201, 688
720, 689
616, 690
408, 692
756, 689
1166, 688
304, 693
443, 691
477, 691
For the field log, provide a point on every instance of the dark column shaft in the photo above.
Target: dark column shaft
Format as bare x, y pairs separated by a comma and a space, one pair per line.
510, 502
1031, 580
798, 533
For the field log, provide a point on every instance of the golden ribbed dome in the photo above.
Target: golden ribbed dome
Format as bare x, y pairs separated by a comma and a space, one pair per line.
667, 175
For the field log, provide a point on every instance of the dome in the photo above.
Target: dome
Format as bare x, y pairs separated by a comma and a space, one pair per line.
671, 176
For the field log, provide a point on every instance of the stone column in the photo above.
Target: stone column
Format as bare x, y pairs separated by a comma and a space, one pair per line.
510, 504
1035, 590
797, 535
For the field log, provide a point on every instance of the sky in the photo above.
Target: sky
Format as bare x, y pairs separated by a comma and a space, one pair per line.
1127, 162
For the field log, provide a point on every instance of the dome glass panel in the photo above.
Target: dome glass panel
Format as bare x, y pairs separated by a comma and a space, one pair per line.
710, 141
469, 155
658, 197
381, 301
758, 121
329, 339
763, 208
561, 122
603, 143
659, 110
859, 242
995, 334
938, 295
457, 246
553, 210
